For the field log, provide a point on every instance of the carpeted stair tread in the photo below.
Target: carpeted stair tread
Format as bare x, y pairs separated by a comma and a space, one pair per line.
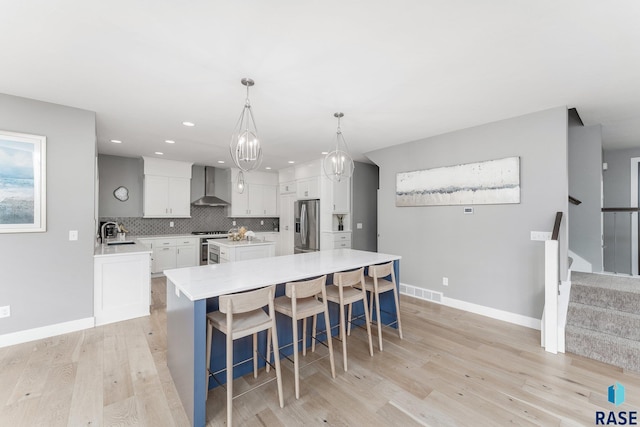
603, 347
608, 281
613, 297
618, 323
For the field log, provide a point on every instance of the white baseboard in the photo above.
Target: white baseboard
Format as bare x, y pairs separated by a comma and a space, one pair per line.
494, 313
46, 331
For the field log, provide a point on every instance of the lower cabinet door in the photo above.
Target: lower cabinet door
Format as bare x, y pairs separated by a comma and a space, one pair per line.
164, 259
186, 256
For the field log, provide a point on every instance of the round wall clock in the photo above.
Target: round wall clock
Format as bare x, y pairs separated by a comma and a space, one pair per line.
121, 193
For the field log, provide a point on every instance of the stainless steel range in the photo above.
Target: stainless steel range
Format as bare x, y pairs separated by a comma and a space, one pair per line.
204, 247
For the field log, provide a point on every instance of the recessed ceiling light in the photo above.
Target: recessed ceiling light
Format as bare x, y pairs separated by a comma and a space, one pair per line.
116, 141
291, 162
169, 141
325, 152
220, 161
268, 168
159, 153
190, 124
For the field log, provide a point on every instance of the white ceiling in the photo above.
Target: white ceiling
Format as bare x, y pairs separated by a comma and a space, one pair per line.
400, 70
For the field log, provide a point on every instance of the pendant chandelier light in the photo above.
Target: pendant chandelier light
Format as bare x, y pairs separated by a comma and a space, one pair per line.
245, 148
338, 164
240, 184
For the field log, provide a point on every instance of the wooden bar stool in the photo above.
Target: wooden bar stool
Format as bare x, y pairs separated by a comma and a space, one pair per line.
241, 315
376, 283
343, 292
299, 303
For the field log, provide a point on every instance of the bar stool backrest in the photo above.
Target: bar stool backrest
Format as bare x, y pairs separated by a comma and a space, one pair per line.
307, 288
246, 301
348, 278
381, 270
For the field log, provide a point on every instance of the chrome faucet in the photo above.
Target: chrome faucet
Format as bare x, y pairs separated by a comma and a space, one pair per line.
102, 236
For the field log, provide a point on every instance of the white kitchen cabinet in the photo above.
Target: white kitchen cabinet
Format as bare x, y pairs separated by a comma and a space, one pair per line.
341, 196
259, 198
335, 240
263, 200
166, 197
121, 287
167, 189
308, 188
172, 252
287, 187
187, 252
286, 224
164, 258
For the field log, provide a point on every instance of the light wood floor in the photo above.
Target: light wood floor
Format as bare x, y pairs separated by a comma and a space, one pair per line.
452, 369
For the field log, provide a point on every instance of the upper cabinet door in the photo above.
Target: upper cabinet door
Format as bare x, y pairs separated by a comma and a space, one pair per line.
156, 196
167, 189
179, 197
341, 196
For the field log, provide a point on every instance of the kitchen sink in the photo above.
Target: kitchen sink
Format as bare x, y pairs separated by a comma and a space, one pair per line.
124, 242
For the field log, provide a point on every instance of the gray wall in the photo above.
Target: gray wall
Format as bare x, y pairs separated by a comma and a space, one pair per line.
46, 278
617, 193
585, 184
116, 171
488, 256
365, 207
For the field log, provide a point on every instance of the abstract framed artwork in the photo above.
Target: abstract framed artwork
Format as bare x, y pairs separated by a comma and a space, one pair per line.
22, 183
481, 183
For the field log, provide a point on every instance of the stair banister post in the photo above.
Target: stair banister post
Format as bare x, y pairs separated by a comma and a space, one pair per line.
551, 277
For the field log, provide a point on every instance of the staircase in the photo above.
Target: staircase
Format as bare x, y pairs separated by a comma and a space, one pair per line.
603, 321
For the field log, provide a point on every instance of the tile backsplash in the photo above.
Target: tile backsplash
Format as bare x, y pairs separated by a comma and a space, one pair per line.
203, 218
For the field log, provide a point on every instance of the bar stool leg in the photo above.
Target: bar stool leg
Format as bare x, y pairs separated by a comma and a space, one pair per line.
229, 379
268, 355
296, 374
327, 325
274, 337
314, 331
349, 317
378, 320
304, 336
255, 355
209, 337
343, 337
367, 317
395, 297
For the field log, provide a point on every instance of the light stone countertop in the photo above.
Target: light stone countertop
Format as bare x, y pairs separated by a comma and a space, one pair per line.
234, 244
213, 280
111, 250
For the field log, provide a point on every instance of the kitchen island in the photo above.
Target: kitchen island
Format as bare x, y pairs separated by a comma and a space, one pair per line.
241, 250
192, 292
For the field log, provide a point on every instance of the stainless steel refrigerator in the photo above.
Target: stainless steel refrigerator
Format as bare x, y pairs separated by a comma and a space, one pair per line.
307, 226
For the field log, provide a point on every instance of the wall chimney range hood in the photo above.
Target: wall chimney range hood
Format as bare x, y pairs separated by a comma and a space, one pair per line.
211, 197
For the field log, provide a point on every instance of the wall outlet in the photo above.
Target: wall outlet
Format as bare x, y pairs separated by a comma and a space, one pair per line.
359, 226
5, 311
261, 222
73, 234
233, 223
540, 235
445, 281
171, 224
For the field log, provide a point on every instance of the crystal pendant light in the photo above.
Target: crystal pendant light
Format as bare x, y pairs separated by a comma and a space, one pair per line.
245, 148
338, 164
